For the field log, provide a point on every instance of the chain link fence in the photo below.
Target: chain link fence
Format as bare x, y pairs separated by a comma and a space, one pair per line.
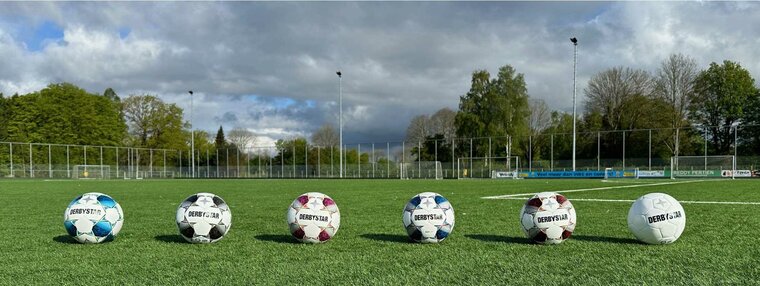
645, 149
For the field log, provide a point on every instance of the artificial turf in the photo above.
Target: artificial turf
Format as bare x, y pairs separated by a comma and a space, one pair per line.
371, 247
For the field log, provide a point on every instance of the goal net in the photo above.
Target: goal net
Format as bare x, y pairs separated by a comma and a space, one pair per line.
703, 166
92, 172
488, 167
421, 170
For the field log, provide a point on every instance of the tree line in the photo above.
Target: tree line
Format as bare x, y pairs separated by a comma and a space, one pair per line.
66, 114
703, 105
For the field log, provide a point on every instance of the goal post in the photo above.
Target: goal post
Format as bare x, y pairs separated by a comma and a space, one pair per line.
421, 170
488, 167
91, 172
703, 166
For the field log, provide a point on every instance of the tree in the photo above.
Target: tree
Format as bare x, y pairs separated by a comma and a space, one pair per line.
494, 107
750, 144
64, 114
621, 99
442, 122
540, 120
418, 129
220, 141
154, 123
4, 116
241, 138
617, 94
674, 87
429, 149
325, 136
723, 93
110, 94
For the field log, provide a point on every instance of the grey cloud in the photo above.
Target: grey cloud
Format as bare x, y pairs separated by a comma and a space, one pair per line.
398, 59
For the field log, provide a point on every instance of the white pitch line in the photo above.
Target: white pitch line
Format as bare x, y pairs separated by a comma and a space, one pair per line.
596, 189
630, 201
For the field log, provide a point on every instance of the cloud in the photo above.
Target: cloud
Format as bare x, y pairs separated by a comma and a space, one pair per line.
270, 67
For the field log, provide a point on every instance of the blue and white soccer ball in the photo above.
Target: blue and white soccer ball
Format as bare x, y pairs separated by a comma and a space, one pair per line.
428, 218
203, 218
93, 218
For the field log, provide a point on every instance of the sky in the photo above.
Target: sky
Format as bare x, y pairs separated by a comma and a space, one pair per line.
269, 67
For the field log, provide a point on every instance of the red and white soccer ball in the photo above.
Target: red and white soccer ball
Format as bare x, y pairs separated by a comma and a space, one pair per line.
313, 218
548, 218
656, 218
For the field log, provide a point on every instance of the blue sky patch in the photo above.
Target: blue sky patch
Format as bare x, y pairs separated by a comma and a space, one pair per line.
43, 34
124, 32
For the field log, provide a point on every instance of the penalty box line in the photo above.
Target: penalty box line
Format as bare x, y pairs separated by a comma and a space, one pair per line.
594, 189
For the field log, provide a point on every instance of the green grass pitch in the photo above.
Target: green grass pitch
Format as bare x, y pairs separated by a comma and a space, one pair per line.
371, 247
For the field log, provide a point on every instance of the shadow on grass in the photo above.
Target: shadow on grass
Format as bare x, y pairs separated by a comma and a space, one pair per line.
605, 239
387, 237
65, 239
499, 238
279, 238
170, 238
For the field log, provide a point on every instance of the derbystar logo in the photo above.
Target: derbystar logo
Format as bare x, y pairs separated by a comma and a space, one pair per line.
428, 217
664, 217
202, 214
85, 212
312, 217
552, 218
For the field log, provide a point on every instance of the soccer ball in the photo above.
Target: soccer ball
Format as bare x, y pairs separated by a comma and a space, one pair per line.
93, 218
656, 218
428, 218
203, 218
548, 218
313, 218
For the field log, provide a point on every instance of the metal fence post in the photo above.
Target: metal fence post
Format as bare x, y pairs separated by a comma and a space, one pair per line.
650, 149
31, 163
10, 156
388, 159
598, 150
68, 169
551, 162
374, 161
623, 150
50, 162
530, 153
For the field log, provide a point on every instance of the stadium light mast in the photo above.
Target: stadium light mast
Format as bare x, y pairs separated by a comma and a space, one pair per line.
192, 138
575, 63
340, 119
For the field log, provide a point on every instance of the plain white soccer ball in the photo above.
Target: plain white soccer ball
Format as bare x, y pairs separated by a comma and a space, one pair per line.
428, 218
203, 218
656, 218
93, 218
548, 218
313, 218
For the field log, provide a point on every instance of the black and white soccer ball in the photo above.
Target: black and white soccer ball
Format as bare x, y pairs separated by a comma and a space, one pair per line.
203, 218
428, 218
93, 218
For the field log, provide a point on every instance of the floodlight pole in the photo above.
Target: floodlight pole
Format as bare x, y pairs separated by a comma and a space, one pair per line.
575, 63
340, 120
192, 138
